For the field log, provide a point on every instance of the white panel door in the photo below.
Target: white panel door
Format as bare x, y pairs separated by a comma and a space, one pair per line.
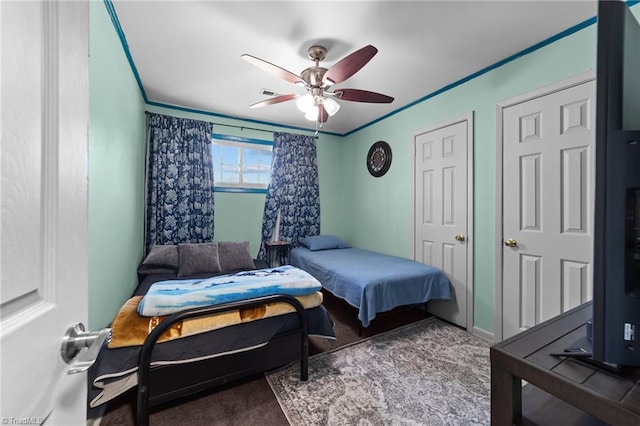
43, 207
548, 184
441, 238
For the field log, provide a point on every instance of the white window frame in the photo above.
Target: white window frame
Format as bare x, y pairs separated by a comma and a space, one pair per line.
240, 143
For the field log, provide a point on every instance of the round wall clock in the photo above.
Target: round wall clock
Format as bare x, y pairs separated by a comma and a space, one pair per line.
379, 158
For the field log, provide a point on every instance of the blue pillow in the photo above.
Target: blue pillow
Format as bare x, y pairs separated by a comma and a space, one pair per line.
323, 242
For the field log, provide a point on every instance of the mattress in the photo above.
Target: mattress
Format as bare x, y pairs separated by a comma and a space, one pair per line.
373, 282
115, 370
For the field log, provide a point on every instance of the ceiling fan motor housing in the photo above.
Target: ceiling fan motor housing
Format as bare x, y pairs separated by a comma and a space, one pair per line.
313, 76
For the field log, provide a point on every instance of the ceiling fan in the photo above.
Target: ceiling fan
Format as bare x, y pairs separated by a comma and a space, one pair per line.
318, 102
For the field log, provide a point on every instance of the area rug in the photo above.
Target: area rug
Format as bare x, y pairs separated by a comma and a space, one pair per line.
425, 373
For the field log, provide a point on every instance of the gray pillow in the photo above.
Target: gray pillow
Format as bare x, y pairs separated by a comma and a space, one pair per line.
197, 259
162, 259
234, 256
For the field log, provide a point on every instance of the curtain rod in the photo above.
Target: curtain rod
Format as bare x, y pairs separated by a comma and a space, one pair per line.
242, 127
249, 128
235, 126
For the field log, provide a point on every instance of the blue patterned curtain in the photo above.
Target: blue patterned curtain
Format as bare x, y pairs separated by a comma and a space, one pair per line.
293, 190
179, 181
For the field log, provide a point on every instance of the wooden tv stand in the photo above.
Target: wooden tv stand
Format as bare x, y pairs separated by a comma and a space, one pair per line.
612, 398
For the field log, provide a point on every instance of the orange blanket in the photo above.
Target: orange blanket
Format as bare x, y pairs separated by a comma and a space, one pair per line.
131, 329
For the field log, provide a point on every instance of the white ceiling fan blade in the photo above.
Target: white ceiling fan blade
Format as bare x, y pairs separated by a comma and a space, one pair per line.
274, 69
274, 100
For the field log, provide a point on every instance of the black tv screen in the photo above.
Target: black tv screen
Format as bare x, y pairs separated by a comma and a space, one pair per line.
616, 297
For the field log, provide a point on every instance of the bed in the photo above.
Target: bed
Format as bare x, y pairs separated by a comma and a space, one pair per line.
370, 281
181, 351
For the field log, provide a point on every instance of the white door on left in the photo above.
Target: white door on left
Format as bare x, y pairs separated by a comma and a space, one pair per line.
43, 207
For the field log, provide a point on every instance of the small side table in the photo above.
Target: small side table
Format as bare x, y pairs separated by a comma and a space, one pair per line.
277, 253
612, 398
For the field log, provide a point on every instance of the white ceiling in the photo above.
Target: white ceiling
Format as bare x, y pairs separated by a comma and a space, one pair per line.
187, 53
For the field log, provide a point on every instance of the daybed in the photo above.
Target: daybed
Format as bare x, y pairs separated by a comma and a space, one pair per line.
370, 281
205, 346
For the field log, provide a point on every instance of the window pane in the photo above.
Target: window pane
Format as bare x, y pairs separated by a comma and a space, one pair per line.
250, 156
264, 179
252, 173
230, 173
241, 164
264, 159
215, 155
254, 169
230, 155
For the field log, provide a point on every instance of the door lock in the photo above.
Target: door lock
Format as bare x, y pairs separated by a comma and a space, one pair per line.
511, 243
85, 343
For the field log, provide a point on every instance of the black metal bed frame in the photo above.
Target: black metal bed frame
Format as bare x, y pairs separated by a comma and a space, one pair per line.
215, 371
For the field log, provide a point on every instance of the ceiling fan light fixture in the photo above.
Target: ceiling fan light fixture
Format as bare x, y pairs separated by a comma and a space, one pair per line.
312, 113
305, 102
330, 106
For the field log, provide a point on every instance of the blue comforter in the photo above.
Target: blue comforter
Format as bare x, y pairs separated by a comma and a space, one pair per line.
168, 297
373, 282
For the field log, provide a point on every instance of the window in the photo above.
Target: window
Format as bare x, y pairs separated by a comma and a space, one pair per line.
241, 164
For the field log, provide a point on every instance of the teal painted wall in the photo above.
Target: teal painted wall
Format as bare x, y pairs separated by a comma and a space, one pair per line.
378, 211
367, 212
238, 216
116, 171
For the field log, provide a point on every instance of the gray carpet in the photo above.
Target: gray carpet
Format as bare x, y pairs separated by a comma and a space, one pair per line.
426, 373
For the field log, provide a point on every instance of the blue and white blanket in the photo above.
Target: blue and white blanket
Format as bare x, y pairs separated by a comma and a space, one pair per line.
168, 297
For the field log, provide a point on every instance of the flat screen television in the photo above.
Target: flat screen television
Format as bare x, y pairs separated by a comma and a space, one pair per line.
615, 333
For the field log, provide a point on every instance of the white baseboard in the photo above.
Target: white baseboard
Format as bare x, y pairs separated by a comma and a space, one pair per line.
484, 334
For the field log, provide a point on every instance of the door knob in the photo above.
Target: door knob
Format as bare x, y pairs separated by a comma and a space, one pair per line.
511, 243
460, 237
86, 343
